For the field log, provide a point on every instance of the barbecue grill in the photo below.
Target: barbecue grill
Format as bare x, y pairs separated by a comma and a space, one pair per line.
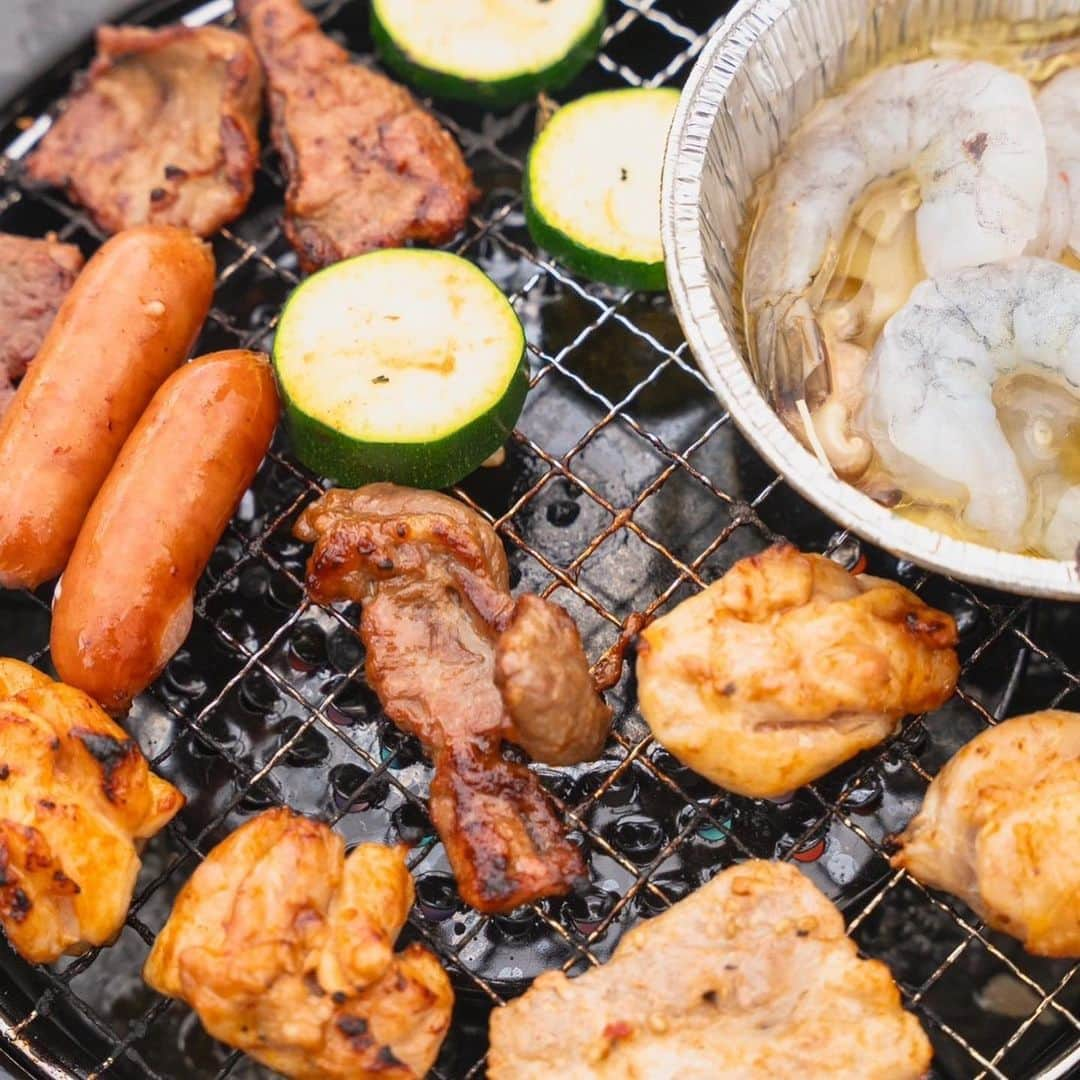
625, 489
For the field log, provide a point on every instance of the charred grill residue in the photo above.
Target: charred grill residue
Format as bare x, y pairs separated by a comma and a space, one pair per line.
109, 753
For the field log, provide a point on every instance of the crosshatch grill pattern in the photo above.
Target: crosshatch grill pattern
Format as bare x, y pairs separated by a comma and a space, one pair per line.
626, 489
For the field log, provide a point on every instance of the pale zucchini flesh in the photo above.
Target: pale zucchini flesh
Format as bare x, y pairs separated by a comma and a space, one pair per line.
401, 365
488, 51
593, 185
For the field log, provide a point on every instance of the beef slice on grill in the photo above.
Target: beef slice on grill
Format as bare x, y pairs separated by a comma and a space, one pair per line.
163, 129
367, 166
35, 276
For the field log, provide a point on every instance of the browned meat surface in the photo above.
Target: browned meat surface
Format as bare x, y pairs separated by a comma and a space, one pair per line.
163, 131
76, 799
543, 676
788, 666
433, 581
35, 276
750, 978
285, 949
1000, 827
367, 167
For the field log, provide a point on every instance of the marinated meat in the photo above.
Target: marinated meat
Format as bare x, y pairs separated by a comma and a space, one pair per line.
285, 949
750, 978
1000, 827
543, 676
788, 666
367, 167
76, 799
163, 131
35, 276
433, 581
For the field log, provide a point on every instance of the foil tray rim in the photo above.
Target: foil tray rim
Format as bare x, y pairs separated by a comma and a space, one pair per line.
720, 357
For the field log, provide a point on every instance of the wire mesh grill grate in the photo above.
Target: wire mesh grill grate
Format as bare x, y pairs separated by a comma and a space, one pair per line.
626, 489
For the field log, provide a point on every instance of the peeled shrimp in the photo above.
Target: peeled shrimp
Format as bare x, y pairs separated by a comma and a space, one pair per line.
929, 409
1062, 538
1059, 106
970, 134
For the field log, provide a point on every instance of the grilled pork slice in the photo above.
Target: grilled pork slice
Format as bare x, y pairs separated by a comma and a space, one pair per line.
163, 131
35, 276
76, 798
443, 634
285, 949
788, 666
749, 978
367, 167
1000, 827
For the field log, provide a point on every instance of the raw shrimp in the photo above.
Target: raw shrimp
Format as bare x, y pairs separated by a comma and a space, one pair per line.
1059, 106
929, 408
1062, 539
970, 134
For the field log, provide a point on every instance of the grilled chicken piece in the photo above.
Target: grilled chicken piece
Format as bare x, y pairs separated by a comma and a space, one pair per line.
788, 666
751, 977
433, 581
1000, 827
367, 167
76, 796
35, 276
285, 949
164, 130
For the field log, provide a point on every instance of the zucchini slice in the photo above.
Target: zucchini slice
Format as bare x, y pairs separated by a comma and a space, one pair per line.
489, 52
592, 186
400, 365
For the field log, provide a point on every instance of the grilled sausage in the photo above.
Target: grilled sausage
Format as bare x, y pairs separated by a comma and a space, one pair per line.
128, 322
124, 604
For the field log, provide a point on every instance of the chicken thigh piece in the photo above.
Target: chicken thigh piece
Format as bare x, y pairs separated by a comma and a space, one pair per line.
76, 799
750, 978
1000, 827
285, 949
788, 666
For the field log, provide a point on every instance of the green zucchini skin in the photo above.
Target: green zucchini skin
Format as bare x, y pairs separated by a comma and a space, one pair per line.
592, 260
589, 263
354, 460
500, 93
437, 464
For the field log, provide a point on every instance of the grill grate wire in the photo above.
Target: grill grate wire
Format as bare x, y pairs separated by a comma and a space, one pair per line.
626, 490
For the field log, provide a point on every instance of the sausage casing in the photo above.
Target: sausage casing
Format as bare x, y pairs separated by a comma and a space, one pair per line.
125, 601
130, 319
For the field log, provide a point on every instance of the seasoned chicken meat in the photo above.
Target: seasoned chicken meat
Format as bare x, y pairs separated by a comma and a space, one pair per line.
35, 276
788, 666
750, 978
285, 949
1000, 827
442, 634
367, 167
76, 798
163, 131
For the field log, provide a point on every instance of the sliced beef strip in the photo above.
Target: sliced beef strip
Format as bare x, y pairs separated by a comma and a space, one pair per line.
367, 166
432, 579
163, 129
